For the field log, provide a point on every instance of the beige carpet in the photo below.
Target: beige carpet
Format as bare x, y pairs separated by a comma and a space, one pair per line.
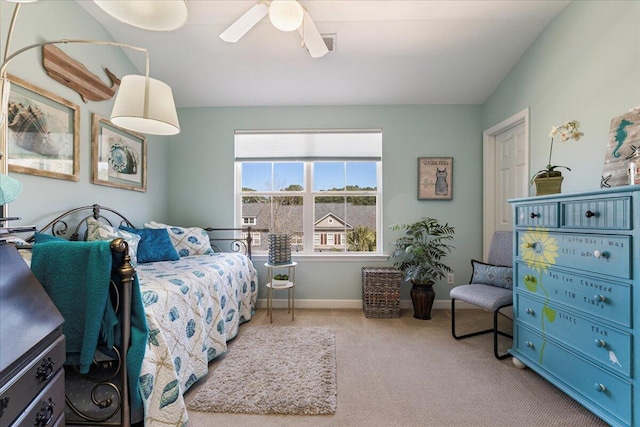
407, 372
274, 370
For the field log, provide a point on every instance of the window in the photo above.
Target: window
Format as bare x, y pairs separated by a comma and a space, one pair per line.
255, 238
249, 220
323, 188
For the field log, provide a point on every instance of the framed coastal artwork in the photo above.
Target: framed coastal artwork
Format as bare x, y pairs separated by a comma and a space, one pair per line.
43, 132
623, 145
118, 156
435, 178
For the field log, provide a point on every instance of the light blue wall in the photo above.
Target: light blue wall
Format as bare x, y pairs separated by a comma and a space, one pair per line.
584, 66
202, 176
43, 198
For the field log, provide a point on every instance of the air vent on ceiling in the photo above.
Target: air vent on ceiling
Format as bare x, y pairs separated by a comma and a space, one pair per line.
330, 40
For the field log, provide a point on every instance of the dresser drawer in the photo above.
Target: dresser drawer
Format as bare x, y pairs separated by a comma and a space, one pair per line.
598, 343
46, 408
578, 377
610, 214
539, 214
28, 383
601, 298
596, 253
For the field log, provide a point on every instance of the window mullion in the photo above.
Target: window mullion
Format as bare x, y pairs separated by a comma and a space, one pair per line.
308, 208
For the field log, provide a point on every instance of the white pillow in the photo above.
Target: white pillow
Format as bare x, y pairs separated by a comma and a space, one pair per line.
187, 241
97, 230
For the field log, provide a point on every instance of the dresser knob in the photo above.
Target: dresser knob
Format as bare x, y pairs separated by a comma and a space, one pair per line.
534, 215
600, 298
529, 311
589, 214
600, 254
529, 344
600, 343
599, 387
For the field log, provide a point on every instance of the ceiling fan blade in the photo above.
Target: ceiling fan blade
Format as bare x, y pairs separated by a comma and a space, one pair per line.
245, 23
311, 37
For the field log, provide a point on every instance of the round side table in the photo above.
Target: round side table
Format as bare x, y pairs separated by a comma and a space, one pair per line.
276, 285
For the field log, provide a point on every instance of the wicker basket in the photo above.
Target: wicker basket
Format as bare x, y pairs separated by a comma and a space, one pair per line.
381, 292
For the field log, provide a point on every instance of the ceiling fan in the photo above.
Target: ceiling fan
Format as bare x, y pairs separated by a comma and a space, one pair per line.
285, 15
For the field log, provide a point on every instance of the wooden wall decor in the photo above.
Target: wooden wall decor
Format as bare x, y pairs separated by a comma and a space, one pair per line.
76, 76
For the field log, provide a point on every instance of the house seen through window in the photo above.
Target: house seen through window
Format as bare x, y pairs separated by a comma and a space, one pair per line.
322, 188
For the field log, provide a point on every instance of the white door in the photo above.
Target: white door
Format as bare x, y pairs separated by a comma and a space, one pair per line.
506, 170
510, 181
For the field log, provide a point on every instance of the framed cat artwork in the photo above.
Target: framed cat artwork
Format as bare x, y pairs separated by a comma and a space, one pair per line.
435, 178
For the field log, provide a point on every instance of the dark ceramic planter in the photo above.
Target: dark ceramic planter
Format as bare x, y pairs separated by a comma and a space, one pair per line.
422, 296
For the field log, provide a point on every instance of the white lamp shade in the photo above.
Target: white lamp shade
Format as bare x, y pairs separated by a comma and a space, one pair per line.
128, 111
286, 15
164, 15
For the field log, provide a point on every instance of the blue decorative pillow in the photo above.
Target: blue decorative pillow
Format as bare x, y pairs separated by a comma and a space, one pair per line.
155, 245
494, 275
187, 241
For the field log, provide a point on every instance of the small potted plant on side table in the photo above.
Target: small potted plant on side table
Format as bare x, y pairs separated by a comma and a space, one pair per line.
418, 255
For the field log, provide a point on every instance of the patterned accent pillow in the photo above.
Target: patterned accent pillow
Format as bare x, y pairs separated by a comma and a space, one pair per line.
494, 275
187, 241
155, 245
97, 230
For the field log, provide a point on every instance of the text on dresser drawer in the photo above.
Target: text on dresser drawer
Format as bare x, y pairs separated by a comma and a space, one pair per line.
600, 343
604, 254
603, 298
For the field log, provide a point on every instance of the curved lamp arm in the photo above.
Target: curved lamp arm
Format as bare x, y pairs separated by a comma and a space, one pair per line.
142, 105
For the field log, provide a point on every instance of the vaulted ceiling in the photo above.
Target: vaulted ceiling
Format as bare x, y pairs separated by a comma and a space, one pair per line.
387, 52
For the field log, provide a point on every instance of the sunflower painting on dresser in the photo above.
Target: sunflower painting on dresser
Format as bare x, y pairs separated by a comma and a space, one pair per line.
539, 251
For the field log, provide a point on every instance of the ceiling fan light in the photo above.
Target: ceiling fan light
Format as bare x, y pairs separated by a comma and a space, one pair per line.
286, 15
165, 15
128, 111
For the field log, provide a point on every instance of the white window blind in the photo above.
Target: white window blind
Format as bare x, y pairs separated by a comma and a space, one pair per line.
309, 145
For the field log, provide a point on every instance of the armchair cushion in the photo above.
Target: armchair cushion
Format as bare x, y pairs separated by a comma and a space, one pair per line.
489, 274
488, 297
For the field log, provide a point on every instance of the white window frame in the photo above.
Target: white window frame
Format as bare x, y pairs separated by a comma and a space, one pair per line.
311, 238
249, 220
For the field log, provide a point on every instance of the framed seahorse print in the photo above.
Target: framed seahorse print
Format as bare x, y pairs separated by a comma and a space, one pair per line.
623, 145
435, 178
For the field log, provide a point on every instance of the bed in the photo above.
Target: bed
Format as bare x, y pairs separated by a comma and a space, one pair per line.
192, 305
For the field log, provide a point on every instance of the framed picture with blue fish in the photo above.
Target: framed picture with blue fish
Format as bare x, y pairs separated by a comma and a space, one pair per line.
622, 148
435, 178
43, 132
118, 156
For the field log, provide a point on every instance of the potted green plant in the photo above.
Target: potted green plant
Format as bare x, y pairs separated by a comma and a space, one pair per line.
549, 180
418, 255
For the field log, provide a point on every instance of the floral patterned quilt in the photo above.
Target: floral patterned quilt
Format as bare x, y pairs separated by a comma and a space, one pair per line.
193, 307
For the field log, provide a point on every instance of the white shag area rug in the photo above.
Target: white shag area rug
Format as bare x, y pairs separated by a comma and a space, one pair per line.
274, 370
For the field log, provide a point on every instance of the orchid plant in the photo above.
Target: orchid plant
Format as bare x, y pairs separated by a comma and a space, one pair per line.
568, 130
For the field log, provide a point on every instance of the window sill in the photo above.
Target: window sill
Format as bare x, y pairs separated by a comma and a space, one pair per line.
327, 257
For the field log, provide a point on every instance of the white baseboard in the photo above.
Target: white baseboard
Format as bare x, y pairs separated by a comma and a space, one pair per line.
341, 304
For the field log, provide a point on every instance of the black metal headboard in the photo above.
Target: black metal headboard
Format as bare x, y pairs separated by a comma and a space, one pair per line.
222, 239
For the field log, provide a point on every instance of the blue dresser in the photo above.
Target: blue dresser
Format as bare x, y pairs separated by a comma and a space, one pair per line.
577, 314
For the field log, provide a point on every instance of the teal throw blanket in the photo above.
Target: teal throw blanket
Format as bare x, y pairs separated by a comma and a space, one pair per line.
76, 275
